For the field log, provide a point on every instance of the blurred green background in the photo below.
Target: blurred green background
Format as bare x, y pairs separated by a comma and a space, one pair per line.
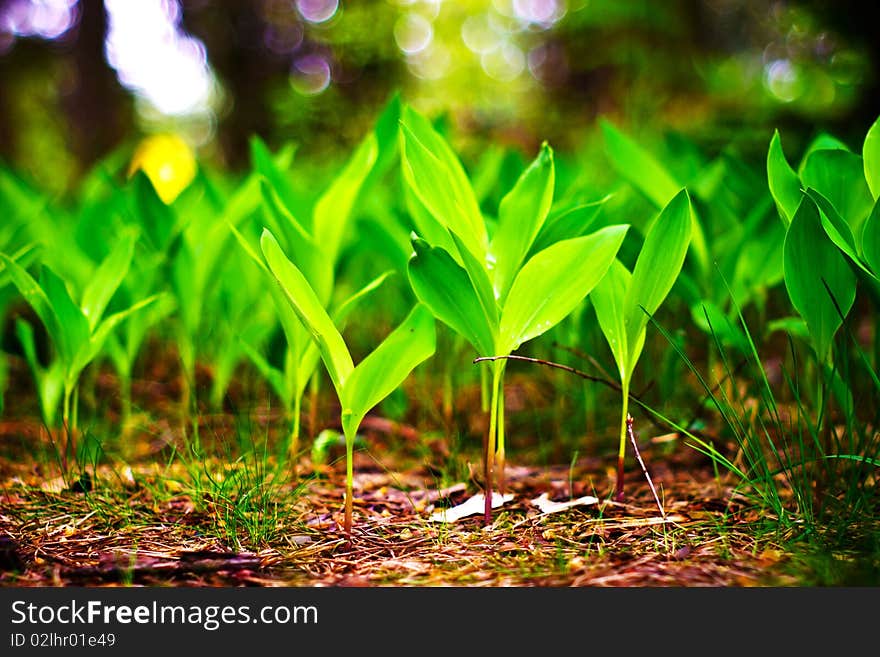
82, 79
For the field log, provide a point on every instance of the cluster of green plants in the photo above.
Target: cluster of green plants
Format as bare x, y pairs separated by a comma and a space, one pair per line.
402, 250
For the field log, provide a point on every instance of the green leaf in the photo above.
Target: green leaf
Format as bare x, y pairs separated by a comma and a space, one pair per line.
638, 166
871, 239
312, 260
156, 218
341, 313
49, 381
837, 229
444, 287
74, 324
273, 375
520, 217
434, 173
274, 169
89, 351
298, 340
107, 278
568, 222
608, 299
310, 311
794, 326
659, 263
386, 367
822, 142
553, 282
331, 218
871, 158
810, 261
712, 320
36, 297
479, 278
785, 186
839, 176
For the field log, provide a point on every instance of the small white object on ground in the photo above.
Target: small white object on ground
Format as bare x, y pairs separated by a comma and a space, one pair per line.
546, 505
470, 507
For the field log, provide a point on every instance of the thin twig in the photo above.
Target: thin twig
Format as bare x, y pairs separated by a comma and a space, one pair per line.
632, 438
590, 377
559, 366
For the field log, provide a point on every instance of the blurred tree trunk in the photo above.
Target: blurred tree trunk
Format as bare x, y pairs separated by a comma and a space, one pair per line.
99, 113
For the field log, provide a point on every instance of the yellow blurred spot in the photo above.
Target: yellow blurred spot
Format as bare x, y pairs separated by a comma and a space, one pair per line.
169, 163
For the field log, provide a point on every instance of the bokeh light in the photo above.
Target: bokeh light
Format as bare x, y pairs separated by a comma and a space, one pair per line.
46, 19
156, 59
317, 11
310, 75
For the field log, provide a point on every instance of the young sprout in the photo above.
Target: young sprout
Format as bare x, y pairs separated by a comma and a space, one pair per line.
359, 388
495, 293
78, 330
625, 301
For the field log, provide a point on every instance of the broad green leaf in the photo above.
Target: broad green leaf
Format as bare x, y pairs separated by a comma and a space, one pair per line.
520, 217
341, 313
837, 229
37, 298
273, 375
568, 222
156, 218
553, 282
310, 311
839, 176
822, 142
427, 226
386, 129
784, 182
331, 218
386, 367
90, 350
659, 263
871, 239
49, 381
479, 278
444, 287
73, 323
871, 158
435, 174
638, 166
312, 260
23, 256
107, 278
298, 340
274, 169
758, 264
608, 299
811, 261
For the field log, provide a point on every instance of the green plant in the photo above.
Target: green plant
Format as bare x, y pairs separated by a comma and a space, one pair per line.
625, 302
490, 291
78, 330
358, 388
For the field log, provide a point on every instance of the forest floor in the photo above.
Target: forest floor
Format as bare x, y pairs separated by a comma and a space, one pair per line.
148, 524
168, 512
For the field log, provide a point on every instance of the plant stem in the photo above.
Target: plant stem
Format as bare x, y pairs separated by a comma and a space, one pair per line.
499, 431
484, 389
621, 454
489, 456
313, 405
65, 424
293, 438
349, 479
